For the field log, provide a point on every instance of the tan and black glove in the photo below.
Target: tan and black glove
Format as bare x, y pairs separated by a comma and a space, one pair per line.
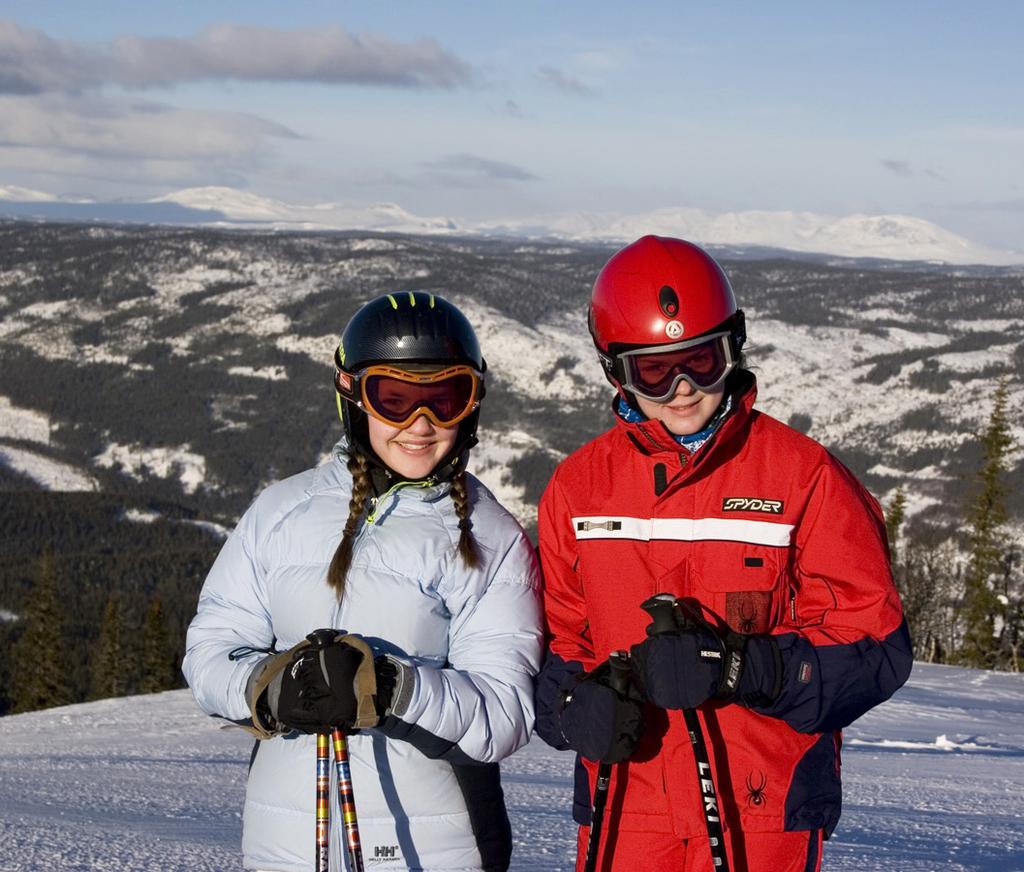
327, 681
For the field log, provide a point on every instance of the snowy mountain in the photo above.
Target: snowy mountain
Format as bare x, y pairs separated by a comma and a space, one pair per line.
240, 207
896, 237
934, 780
24, 195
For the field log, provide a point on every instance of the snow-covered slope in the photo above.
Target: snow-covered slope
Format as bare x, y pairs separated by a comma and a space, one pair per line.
934, 780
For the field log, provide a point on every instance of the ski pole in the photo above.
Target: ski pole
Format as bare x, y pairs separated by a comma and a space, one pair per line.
619, 682
348, 802
320, 639
666, 619
323, 803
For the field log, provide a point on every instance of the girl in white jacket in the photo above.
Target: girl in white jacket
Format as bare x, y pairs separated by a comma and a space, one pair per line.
394, 544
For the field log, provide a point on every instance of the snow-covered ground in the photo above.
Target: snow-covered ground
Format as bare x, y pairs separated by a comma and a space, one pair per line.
934, 781
135, 460
45, 471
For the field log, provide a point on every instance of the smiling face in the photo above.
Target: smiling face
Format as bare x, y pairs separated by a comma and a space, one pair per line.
688, 411
414, 451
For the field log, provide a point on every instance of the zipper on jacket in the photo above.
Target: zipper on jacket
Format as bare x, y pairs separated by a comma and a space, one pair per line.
377, 502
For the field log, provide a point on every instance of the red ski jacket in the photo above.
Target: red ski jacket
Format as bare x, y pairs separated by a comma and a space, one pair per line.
771, 535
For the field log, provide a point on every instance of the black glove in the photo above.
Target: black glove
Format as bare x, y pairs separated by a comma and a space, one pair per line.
329, 683
687, 666
599, 722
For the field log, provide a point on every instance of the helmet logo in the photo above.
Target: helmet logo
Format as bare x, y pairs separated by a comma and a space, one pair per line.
674, 329
669, 301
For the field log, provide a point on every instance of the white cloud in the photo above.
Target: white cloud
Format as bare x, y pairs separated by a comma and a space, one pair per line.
113, 129
99, 138
561, 81
470, 170
899, 167
31, 62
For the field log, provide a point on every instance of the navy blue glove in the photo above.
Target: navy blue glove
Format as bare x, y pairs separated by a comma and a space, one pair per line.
684, 668
597, 721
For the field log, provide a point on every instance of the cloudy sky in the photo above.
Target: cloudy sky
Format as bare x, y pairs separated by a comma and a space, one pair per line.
481, 111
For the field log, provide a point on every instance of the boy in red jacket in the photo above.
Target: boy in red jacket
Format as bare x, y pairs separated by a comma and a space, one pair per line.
788, 624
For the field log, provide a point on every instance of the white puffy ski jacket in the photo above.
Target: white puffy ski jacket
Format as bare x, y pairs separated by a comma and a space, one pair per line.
426, 780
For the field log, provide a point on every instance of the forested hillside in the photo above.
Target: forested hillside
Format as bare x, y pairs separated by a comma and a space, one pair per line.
153, 380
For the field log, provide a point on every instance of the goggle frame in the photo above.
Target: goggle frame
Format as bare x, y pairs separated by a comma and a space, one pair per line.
625, 376
352, 386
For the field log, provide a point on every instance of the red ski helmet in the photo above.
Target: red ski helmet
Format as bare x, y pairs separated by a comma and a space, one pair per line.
660, 291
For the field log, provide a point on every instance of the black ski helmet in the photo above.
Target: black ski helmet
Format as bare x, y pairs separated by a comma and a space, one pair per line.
408, 327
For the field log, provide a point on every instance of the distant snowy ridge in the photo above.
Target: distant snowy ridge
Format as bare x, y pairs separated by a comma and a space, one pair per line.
894, 237
24, 195
250, 208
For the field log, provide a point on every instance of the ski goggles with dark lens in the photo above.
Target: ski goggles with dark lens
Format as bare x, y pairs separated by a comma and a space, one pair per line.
654, 373
399, 396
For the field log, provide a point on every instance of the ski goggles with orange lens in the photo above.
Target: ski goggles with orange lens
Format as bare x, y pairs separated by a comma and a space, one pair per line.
654, 372
398, 397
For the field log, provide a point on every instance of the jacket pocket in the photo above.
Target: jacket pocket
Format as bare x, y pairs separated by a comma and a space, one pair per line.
811, 600
743, 584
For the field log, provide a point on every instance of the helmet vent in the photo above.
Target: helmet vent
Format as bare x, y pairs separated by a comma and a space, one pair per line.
669, 301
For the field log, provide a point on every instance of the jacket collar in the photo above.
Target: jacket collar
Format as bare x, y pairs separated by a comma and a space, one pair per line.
653, 438
333, 474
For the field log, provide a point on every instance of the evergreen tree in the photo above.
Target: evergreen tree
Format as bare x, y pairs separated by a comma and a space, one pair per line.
40, 656
986, 516
159, 670
894, 517
108, 662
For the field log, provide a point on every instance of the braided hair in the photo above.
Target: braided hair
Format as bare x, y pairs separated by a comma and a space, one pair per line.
467, 542
362, 487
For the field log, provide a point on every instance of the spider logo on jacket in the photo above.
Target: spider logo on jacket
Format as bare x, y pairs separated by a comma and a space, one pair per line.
756, 789
748, 616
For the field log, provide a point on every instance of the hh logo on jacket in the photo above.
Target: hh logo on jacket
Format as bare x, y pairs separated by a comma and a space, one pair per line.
385, 854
